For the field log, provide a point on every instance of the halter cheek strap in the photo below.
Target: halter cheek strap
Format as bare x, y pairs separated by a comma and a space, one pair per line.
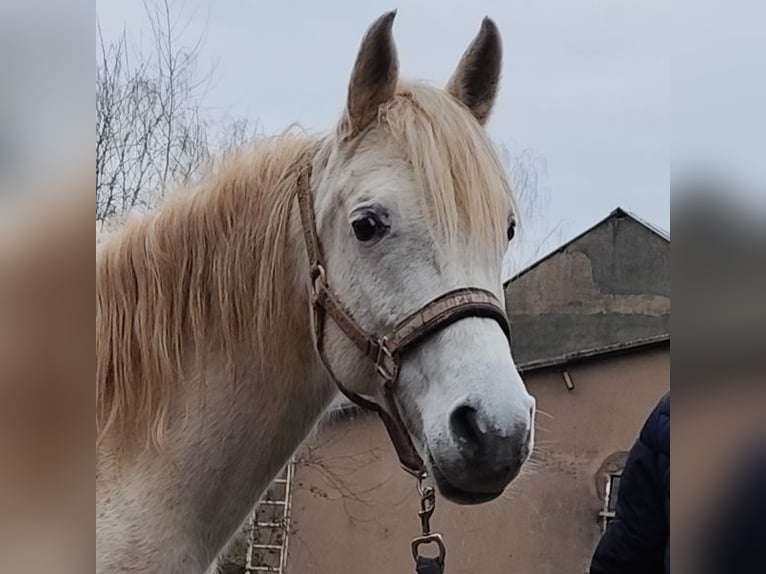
385, 351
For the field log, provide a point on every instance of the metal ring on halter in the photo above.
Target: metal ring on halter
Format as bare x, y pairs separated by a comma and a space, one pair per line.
316, 275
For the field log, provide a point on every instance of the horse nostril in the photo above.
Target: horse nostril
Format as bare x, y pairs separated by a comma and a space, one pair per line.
464, 426
490, 455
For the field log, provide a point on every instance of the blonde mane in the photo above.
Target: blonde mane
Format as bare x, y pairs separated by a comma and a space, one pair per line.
206, 272
209, 261
467, 193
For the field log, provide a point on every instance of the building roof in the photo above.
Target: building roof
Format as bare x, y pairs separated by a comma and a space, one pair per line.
606, 290
617, 212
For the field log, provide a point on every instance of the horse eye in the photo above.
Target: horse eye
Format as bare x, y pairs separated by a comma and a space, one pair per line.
367, 227
511, 229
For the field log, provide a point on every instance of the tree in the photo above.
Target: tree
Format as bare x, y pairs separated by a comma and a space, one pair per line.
149, 132
524, 170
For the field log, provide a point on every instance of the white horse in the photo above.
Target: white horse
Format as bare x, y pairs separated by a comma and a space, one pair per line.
207, 376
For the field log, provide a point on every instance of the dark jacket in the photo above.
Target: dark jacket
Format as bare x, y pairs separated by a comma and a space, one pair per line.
734, 536
637, 539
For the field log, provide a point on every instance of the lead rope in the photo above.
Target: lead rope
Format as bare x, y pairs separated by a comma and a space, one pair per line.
427, 564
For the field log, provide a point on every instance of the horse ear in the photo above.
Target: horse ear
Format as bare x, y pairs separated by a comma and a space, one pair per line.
373, 80
477, 77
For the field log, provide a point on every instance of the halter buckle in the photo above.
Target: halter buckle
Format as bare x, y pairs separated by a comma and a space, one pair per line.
388, 372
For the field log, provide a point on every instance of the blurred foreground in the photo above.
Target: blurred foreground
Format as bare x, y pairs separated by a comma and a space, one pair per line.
718, 374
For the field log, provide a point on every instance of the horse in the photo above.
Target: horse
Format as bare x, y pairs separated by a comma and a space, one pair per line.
208, 374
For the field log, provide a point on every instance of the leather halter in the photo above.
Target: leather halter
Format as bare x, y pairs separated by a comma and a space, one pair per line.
386, 351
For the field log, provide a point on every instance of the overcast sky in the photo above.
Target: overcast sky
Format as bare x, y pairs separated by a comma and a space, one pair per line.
585, 88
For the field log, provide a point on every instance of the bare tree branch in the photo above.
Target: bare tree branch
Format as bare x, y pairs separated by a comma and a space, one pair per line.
525, 170
150, 134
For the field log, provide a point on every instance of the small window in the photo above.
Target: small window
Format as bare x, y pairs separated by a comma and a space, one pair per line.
610, 499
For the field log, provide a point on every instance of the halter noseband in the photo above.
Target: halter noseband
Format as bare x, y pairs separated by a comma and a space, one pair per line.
386, 350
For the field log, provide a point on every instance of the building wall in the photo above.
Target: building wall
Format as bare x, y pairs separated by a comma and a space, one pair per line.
354, 510
609, 286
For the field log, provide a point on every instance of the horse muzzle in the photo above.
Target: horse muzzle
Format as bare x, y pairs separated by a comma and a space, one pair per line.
479, 460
